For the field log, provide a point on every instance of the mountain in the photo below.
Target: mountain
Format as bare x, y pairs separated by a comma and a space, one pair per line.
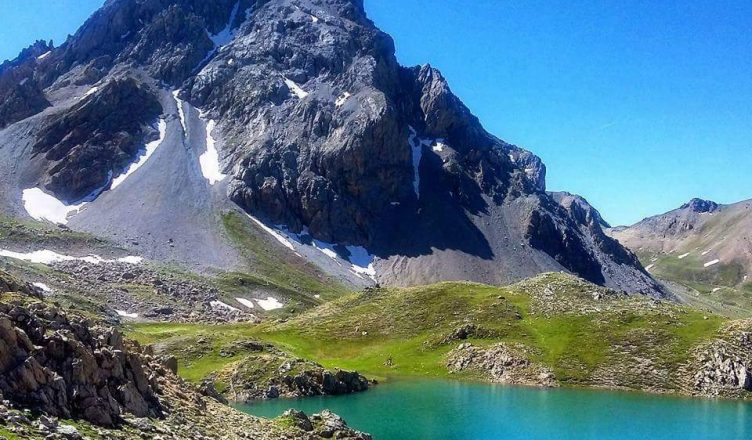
158, 119
702, 245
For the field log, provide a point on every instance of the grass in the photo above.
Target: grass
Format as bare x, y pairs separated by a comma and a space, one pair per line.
268, 268
572, 334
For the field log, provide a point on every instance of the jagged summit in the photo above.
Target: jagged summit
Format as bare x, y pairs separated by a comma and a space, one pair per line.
298, 113
700, 205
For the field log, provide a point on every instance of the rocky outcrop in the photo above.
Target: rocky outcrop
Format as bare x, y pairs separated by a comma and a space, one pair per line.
325, 425
20, 93
270, 373
700, 205
500, 363
97, 138
724, 367
69, 367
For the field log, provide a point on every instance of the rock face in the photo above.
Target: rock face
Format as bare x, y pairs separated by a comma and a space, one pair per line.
96, 138
322, 131
20, 94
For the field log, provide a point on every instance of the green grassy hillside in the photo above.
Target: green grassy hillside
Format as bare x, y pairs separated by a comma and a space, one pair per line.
584, 334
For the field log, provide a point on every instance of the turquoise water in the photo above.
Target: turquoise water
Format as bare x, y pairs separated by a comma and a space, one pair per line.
459, 410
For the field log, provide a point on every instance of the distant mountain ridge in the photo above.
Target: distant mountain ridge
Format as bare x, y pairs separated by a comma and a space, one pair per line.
703, 245
299, 110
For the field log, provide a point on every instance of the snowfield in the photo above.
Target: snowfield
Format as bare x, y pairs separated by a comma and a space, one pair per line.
357, 258
270, 303
43, 287
42, 206
48, 257
246, 302
181, 111
712, 263
218, 305
125, 314
296, 89
209, 161
148, 150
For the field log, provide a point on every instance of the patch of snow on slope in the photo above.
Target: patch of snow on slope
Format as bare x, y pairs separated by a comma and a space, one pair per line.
296, 89
280, 238
717, 289
706, 252
43, 287
683, 256
314, 18
224, 36
439, 146
146, 153
181, 112
44, 55
417, 152
342, 99
209, 161
270, 303
712, 263
91, 91
42, 206
246, 302
356, 257
650, 267
47, 257
125, 314
217, 305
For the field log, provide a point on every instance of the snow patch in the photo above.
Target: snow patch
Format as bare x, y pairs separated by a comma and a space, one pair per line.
650, 267
342, 99
125, 314
706, 252
296, 89
246, 302
712, 263
146, 153
439, 146
280, 238
317, 296
42, 206
43, 287
48, 257
358, 259
226, 35
91, 91
417, 152
217, 305
683, 256
314, 18
44, 55
270, 303
181, 112
717, 289
209, 161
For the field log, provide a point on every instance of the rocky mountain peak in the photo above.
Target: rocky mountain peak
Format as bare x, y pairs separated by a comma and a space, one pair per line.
320, 132
700, 205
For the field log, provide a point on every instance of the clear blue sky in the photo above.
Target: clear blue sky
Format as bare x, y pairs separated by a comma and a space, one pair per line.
636, 105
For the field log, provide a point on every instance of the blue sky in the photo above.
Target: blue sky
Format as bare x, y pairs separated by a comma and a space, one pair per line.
636, 105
